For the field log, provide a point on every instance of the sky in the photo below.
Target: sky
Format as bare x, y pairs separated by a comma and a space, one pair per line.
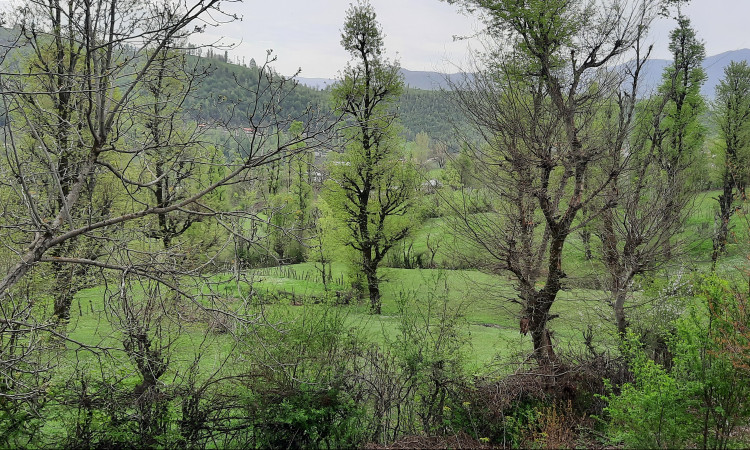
305, 34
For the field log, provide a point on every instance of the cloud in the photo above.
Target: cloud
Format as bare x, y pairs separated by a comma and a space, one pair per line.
306, 33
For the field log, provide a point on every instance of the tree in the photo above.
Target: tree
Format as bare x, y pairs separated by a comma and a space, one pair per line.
732, 115
680, 137
548, 113
86, 97
54, 111
110, 80
289, 197
171, 155
701, 399
653, 191
95, 148
420, 149
370, 187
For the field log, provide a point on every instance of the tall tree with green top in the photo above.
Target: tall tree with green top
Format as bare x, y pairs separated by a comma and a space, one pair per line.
732, 109
370, 185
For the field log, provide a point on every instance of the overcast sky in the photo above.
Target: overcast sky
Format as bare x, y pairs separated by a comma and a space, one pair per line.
305, 33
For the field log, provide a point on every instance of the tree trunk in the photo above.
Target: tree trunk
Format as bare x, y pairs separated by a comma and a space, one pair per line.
620, 319
40, 245
536, 317
586, 231
543, 349
586, 238
725, 214
64, 291
539, 303
370, 269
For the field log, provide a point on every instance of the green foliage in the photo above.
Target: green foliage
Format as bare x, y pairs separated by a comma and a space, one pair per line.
653, 411
417, 375
511, 427
362, 34
20, 425
699, 401
732, 114
667, 296
284, 221
460, 171
715, 347
429, 347
684, 133
307, 417
554, 24
730, 308
302, 393
370, 187
429, 112
226, 96
403, 256
219, 98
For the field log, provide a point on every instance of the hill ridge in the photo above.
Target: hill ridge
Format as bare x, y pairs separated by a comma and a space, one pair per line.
429, 80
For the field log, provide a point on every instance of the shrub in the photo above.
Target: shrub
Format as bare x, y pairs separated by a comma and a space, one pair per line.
306, 416
701, 400
300, 379
413, 382
651, 412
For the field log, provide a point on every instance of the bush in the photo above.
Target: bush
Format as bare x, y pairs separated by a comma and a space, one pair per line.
306, 416
412, 383
651, 412
301, 379
429, 351
537, 407
723, 386
403, 256
700, 401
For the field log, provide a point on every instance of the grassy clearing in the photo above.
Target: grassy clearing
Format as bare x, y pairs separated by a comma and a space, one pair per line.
482, 299
485, 301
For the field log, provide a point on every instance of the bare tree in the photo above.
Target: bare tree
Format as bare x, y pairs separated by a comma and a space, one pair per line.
89, 66
652, 193
638, 233
543, 106
113, 54
100, 170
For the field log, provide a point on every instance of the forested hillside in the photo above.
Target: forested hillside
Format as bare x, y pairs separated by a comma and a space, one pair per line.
223, 96
226, 93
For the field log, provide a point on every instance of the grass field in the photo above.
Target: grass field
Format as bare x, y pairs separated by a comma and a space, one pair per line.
484, 301
277, 299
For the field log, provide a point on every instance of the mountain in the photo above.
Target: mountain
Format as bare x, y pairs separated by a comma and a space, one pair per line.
713, 65
428, 81
315, 83
423, 106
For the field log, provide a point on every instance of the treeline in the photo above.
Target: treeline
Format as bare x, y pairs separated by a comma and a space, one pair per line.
226, 94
